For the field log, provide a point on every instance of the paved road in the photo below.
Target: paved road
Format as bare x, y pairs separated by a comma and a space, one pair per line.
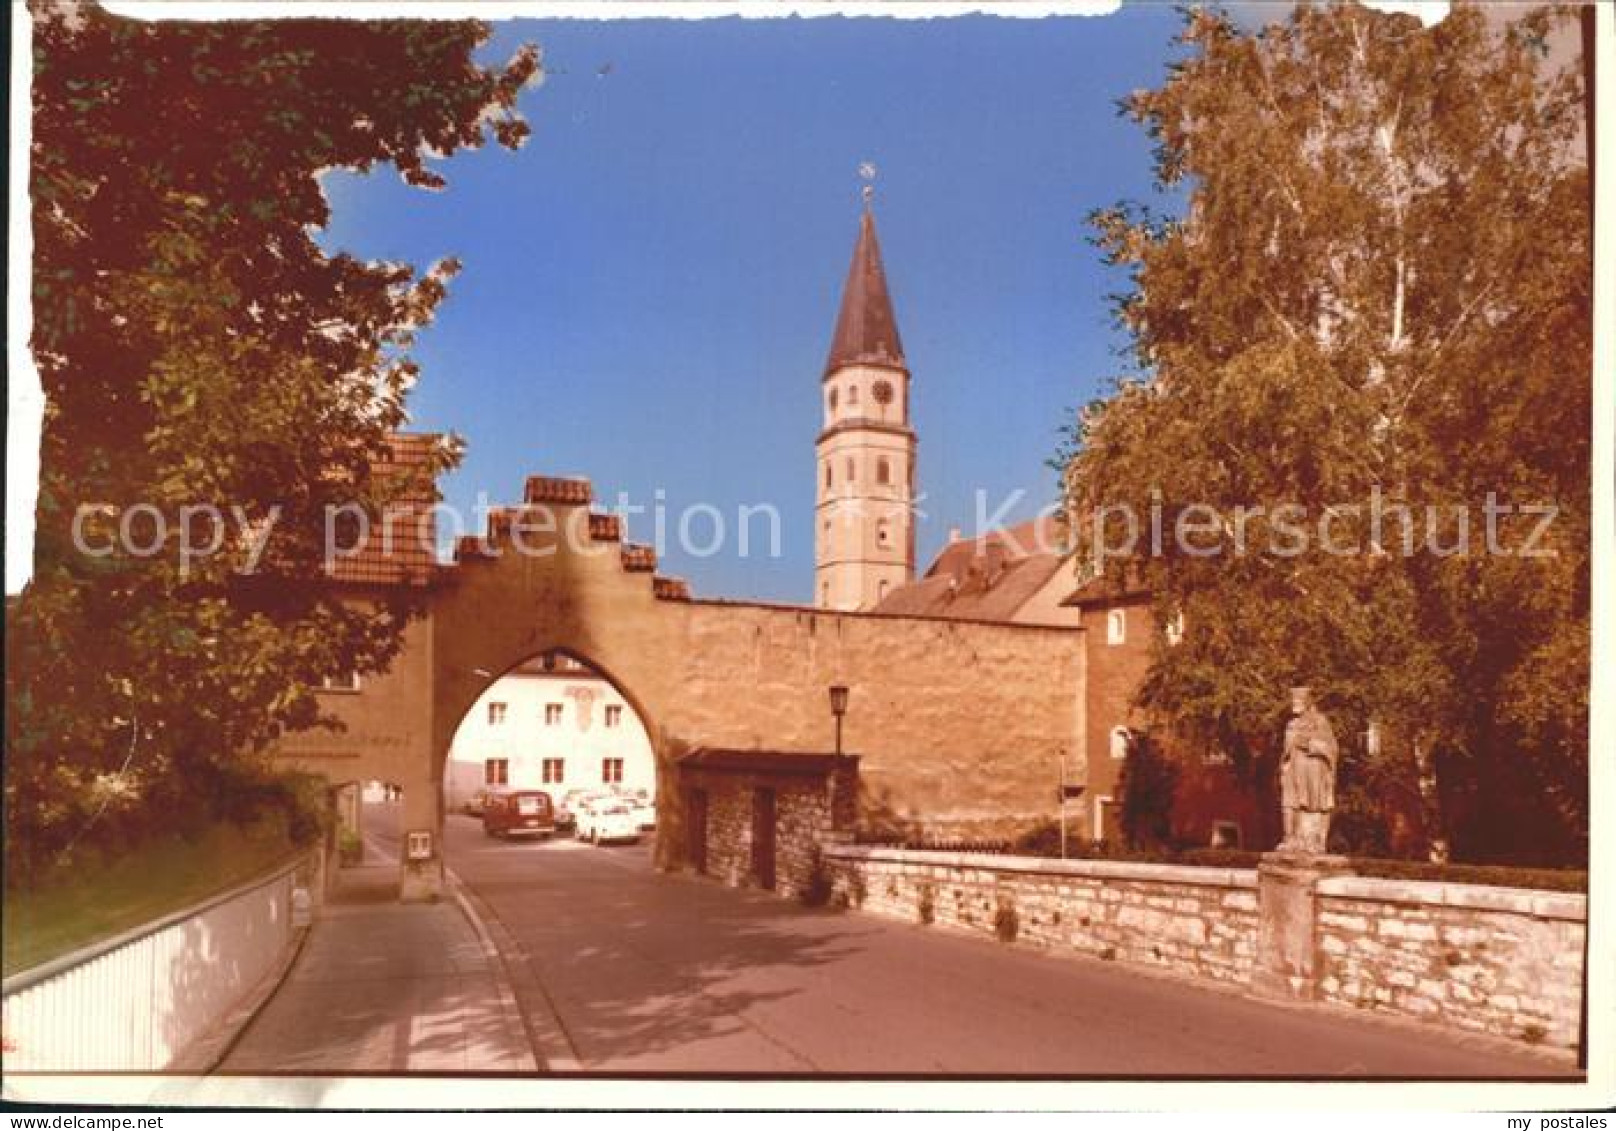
383, 986
656, 973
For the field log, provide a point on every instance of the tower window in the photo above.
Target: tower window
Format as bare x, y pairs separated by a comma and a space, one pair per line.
881, 590
852, 475
827, 475
883, 534
883, 471
852, 394
833, 398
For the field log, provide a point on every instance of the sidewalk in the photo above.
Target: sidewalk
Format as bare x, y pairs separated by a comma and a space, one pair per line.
386, 987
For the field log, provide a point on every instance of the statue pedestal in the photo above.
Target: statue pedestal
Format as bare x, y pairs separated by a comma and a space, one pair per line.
1287, 961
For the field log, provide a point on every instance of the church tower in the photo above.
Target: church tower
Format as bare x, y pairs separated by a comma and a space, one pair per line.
864, 539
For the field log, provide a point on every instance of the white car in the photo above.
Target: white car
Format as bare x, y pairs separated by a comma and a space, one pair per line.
644, 810
608, 819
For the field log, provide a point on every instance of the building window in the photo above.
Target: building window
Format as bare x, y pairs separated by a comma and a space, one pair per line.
347, 683
852, 476
611, 770
497, 771
827, 475
883, 534
1174, 628
881, 590
833, 398
552, 714
553, 771
883, 471
1225, 834
852, 394
1116, 626
496, 714
614, 714
824, 594
1119, 743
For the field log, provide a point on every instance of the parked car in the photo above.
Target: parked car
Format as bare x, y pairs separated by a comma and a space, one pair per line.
644, 810
567, 812
518, 812
608, 819
473, 806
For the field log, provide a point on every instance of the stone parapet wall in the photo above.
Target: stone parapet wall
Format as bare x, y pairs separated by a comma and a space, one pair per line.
1505, 961
1499, 961
1195, 921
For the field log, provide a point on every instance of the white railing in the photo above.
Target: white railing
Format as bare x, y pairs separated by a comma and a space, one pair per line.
139, 1000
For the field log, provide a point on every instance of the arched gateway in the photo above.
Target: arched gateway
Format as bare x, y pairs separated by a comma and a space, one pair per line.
958, 726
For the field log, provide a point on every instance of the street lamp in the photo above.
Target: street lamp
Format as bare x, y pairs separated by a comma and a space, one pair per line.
838, 708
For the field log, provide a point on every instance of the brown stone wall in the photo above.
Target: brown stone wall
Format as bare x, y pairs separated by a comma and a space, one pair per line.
1195, 921
960, 724
1492, 960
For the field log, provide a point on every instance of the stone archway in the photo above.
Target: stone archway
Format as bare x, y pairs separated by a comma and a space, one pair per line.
959, 724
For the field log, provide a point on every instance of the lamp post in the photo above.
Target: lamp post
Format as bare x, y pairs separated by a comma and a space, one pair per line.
838, 708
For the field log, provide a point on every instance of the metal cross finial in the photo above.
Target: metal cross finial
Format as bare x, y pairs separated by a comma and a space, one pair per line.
867, 172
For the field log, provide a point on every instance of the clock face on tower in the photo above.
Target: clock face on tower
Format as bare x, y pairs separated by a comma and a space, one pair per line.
882, 391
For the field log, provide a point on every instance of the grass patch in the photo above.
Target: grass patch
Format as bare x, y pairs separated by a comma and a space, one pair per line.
93, 902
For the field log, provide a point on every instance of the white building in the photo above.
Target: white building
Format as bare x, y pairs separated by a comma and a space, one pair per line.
551, 724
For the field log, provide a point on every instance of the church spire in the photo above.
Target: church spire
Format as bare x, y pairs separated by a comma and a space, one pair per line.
866, 331
864, 546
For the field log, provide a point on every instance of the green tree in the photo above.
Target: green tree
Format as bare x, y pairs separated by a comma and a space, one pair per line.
197, 347
1378, 294
1147, 787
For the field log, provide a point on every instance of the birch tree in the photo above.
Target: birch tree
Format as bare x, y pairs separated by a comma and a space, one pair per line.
1376, 297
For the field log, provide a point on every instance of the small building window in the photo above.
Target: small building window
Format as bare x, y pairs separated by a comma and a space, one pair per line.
1174, 629
881, 590
1116, 626
611, 771
1119, 743
614, 714
827, 475
553, 771
347, 683
883, 534
496, 714
883, 471
824, 594
833, 398
1225, 834
852, 471
497, 771
852, 394
552, 714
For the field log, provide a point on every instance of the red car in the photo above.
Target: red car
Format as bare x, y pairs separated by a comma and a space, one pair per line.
518, 812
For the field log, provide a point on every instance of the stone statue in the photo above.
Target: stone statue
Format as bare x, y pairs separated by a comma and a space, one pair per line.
1307, 776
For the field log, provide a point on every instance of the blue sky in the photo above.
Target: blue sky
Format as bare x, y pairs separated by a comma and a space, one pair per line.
649, 286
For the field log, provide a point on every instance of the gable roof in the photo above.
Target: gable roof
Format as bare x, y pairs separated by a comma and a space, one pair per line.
988, 578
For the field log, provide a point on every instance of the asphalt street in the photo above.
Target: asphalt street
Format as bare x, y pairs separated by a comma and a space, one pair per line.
648, 972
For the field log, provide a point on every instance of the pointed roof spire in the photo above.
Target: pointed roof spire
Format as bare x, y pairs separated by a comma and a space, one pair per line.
866, 331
